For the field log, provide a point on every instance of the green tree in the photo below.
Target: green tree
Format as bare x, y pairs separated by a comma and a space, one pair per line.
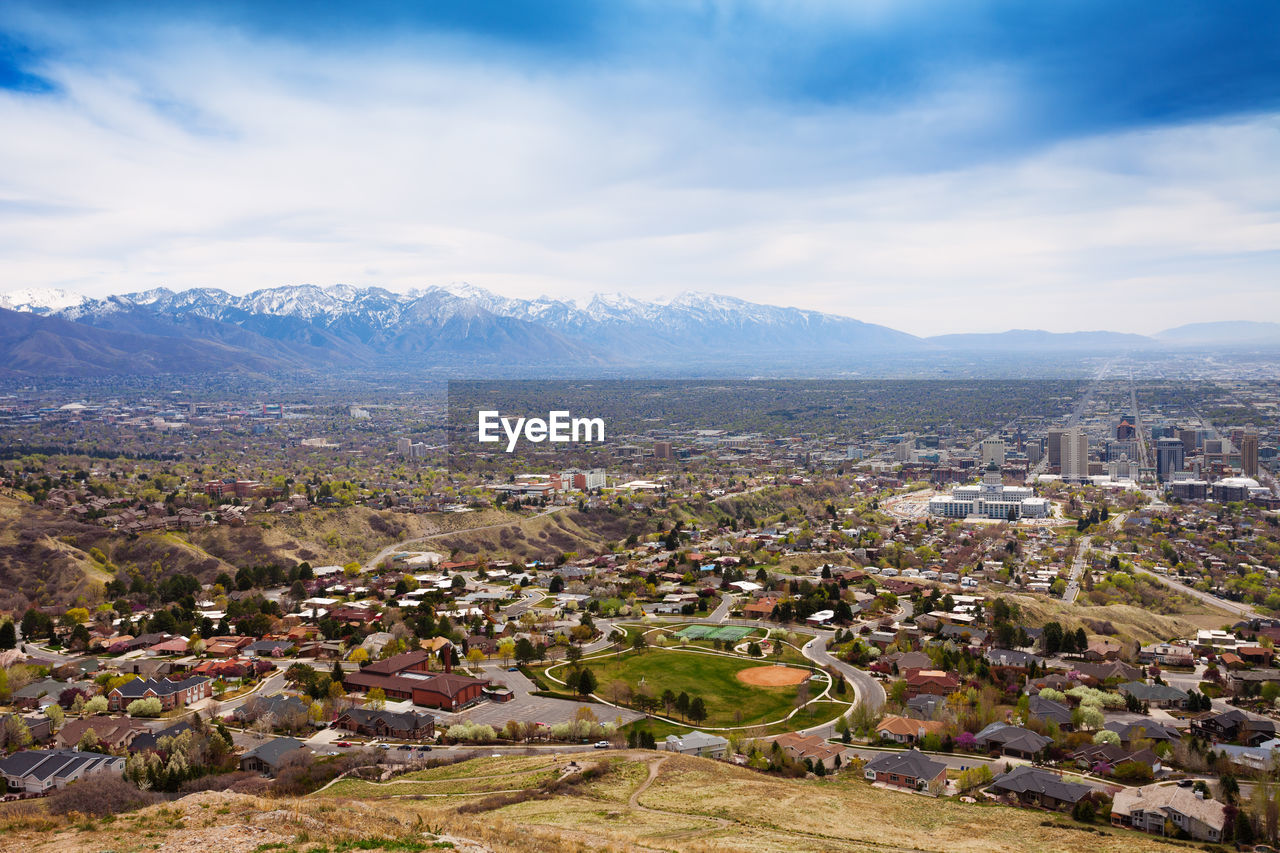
586, 683
697, 710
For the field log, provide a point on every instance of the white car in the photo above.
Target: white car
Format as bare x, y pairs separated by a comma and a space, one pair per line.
602, 744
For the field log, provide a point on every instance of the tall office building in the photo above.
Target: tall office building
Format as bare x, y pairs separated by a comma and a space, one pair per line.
1075, 455
1249, 453
1188, 437
1054, 448
1169, 458
993, 452
1125, 430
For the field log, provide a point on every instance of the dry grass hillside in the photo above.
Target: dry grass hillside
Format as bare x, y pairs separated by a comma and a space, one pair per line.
332, 536
636, 801
45, 558
545, 537
1122, 621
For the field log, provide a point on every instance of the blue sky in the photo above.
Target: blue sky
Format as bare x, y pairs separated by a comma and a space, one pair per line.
933, 166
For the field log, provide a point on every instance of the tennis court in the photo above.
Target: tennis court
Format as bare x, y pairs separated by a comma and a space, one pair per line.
726, 633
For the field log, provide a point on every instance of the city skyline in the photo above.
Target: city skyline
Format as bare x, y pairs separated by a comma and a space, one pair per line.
1059, 168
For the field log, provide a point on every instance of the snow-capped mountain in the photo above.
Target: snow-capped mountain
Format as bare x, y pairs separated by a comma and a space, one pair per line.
346, 325
467, 329
39, 300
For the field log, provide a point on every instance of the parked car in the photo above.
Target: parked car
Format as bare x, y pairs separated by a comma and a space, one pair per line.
602, 744
405, 746
342, 743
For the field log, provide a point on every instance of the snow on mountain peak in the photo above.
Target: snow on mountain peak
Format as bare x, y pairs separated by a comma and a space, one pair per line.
39, 300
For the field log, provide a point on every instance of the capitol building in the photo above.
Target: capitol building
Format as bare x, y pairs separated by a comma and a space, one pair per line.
990, 499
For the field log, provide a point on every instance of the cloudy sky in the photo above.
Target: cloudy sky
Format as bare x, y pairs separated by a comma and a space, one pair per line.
933, 166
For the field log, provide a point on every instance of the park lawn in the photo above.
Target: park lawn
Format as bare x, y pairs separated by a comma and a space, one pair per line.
705, 675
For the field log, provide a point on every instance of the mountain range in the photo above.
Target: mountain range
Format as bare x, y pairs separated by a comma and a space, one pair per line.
459, 327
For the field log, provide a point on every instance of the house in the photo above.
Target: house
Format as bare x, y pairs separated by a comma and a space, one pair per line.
267, 758
1255, 655
906, 730
1113, 755
908, 769
1012, 740
697, 743
1048, 711
268, 648
1013, 658
930, 681
1149, 808
1032, 786
1249, 682
147, 741
1100, 650
37, 725
908, 660
114, 732
810, 748
1167, 654
39, 771
1144, 730
406, 725
925, 706
172, 694
280, 708
761, 608
1232, 725
964, 634
1155, 695
1109, 670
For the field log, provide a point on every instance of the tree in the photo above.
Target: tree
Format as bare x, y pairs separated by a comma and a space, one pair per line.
506, 650
525, 652
1052, 636
376, 698
586, 683
639, 643
697, 710
96, 705
16, 733
682, 704
475, 657
149, 707
8, 635
1082, 640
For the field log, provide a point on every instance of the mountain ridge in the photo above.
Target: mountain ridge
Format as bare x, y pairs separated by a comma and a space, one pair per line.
463, 326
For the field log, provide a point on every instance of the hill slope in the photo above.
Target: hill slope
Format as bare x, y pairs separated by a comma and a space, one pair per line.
643, 801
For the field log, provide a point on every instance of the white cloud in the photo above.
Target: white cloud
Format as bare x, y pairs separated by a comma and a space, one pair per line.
217, 161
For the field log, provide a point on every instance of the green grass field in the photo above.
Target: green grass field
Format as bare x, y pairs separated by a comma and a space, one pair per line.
708, 676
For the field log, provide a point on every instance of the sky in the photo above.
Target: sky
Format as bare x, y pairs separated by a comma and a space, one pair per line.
936, 167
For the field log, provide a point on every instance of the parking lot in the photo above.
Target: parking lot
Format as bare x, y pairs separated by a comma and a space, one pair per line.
527, 708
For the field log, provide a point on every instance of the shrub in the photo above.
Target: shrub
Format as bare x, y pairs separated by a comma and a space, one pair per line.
98, 795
